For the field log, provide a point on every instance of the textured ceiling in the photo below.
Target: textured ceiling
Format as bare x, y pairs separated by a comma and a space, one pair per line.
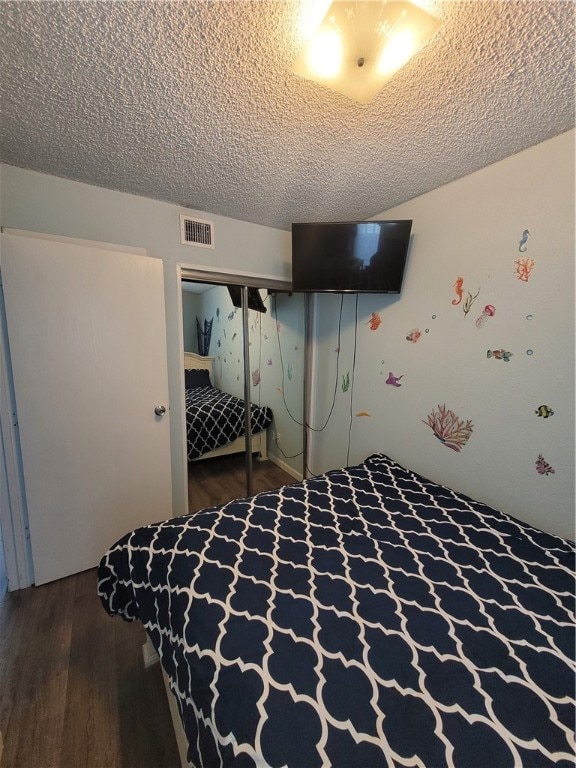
195, 103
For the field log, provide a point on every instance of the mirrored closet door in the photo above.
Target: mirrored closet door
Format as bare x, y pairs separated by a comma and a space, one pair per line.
250, 341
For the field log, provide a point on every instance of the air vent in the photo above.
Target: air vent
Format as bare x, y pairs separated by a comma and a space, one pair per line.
196, 232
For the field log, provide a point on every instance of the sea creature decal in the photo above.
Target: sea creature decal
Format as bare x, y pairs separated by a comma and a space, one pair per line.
362, 413
499, 354
374, 321
290, 372
256, 377
458, 288
231, 315
452, 431
394, 381
488, 311
468, 301
544, 411
522, 245
542, 466
524, 269
346, 382
414, 335
269, 361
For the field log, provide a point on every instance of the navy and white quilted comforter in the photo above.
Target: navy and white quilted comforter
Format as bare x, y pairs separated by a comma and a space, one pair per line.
363, 618
215, 418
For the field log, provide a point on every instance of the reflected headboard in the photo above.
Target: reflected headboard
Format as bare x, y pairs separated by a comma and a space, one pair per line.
194, 361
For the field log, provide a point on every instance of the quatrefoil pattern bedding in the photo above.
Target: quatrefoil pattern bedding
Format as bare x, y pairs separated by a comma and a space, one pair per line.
363, 618
215, 418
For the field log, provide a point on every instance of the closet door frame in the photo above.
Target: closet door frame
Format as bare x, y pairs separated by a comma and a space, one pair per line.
223, 277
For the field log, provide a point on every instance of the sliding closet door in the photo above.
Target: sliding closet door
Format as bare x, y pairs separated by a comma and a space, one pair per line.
87, 336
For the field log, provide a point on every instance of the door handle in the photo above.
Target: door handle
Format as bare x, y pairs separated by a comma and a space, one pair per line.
160, 410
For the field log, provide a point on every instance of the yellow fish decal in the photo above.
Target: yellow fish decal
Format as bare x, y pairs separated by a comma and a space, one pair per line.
544, 410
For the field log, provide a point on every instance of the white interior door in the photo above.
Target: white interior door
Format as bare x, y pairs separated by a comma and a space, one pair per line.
87, 335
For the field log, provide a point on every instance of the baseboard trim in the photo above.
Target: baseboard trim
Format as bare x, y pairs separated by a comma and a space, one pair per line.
285, 467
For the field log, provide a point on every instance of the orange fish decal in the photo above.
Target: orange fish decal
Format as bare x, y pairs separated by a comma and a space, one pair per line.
374, 321
362, 413
414, 335
458, 289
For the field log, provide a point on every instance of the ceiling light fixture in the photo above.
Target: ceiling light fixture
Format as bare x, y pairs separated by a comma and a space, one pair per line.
360, 45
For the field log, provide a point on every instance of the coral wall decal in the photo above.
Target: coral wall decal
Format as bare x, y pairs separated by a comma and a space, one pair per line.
452, 431
524, 269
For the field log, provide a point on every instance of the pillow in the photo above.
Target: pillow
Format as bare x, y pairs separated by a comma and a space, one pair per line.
196, 377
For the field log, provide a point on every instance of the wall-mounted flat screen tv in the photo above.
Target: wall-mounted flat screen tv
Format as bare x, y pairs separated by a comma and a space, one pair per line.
350, 256
254, 299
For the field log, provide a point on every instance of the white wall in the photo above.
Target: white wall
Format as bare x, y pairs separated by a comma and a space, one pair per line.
48, 204
472, 229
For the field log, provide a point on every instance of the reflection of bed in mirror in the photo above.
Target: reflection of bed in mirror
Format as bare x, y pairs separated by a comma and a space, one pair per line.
215, 418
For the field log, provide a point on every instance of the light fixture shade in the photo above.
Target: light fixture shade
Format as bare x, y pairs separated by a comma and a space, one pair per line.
360, 45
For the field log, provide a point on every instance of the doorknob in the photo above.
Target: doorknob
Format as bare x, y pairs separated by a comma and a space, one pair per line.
160, 410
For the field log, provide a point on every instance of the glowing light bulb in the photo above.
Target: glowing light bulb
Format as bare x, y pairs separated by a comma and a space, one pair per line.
325, 54
400, 47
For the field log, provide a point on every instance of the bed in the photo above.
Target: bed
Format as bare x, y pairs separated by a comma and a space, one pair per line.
366, 617
215, 419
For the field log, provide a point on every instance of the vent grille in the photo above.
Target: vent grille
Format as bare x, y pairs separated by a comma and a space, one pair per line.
196, 232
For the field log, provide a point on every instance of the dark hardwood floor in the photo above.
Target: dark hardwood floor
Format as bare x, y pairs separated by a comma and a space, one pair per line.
74, 692
216, 481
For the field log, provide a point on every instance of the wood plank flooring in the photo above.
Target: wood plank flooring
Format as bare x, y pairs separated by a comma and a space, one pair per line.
74, 692
218, 480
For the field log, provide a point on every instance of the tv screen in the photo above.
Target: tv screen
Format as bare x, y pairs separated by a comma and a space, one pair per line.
350, 256
254, 299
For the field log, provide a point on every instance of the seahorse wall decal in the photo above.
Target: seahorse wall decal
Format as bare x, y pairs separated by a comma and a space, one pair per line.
522, 245
458, 288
